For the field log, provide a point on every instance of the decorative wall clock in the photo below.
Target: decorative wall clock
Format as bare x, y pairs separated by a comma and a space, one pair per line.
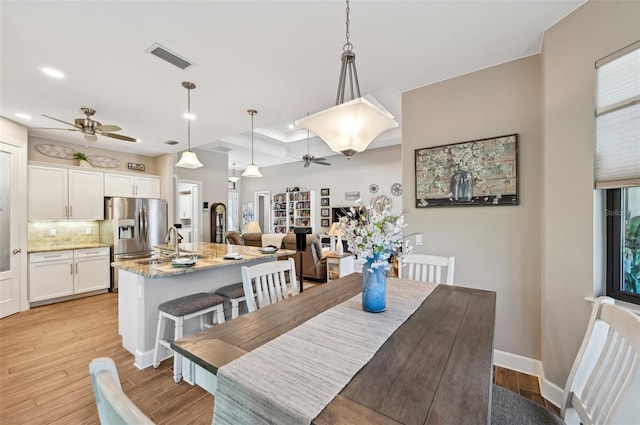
373, 188
396, 189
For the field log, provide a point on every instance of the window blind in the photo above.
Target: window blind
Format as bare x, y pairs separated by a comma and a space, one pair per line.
618, 119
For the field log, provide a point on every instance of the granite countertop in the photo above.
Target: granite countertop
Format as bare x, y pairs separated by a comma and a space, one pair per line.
210, 255
50, 248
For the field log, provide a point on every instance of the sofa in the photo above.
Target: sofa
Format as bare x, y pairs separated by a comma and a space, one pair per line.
252, 239
314, 266
233, 238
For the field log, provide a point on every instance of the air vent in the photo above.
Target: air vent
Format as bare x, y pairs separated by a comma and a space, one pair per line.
171, 142
169, 56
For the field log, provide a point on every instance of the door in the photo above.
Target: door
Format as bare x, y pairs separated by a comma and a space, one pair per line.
196, 213
91, 274
9, 242
263, 210
155, 223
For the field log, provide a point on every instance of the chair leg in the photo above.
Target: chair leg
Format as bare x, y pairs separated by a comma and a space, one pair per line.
234, 308
220, 312
156, 351
177, 358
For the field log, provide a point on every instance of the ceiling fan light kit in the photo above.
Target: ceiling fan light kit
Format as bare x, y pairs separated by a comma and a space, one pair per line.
252, 169
349, 126
188, 158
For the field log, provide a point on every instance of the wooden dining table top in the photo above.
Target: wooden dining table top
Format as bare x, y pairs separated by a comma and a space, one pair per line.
436, 368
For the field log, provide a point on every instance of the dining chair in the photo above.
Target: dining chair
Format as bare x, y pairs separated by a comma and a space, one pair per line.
603, 386
426, 268
114, 407
271, 282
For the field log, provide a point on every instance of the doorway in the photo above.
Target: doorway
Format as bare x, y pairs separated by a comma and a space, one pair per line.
188, 210
262, 210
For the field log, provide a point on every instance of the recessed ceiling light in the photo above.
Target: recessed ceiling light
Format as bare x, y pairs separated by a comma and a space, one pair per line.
189, 116
23, 116
291, 126
53, 72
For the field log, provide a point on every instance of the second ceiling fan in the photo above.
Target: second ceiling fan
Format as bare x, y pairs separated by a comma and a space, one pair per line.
308, 159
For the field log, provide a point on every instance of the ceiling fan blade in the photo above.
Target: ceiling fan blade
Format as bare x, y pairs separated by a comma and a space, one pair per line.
306, 164
320, 159
56, 119
321, 163
91, 138
51, 128
108, 128
119, 136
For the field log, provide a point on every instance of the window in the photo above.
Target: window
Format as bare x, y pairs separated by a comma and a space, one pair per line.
623, 244
618, 167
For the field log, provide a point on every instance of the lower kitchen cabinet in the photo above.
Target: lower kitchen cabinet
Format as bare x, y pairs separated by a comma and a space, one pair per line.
58, 274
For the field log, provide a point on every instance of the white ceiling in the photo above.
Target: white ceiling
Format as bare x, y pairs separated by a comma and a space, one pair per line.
279, 57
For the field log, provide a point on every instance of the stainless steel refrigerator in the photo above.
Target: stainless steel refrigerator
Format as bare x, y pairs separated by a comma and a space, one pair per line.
132, 226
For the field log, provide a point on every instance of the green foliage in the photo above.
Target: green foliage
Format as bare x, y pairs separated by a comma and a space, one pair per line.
632, 255
80, 156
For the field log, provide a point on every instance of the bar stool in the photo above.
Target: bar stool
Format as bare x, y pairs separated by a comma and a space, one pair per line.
235, 294
182, 309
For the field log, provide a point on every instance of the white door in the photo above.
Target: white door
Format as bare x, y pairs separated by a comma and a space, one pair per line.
9, 240
196, 213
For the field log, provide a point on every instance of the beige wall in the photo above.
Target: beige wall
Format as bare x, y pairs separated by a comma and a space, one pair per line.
496, 248
92, 149
572, 231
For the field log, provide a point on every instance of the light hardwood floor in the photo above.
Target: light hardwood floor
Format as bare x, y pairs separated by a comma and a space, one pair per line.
44, 373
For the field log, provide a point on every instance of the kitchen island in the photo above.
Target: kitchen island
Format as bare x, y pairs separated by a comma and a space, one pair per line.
144, 284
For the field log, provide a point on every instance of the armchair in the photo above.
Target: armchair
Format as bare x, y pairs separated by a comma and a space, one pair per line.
252, 239
314, 266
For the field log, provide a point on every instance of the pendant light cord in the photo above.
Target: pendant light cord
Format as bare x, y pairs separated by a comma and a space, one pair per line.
252, 138
189, 119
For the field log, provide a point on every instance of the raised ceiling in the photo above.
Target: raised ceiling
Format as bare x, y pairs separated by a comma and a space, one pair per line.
281, 58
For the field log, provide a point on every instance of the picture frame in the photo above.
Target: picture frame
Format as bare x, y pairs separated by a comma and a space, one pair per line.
324, 212
352, 196
324, 202
480, 172
324, 192
324, 222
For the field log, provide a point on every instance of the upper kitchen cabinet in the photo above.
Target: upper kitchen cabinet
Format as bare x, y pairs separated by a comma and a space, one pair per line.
131, 186
57, 193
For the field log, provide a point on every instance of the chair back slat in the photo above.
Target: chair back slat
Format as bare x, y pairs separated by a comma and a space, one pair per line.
604, 382
426, 268
270, 282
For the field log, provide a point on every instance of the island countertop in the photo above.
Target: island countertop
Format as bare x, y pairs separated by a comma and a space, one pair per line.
209, 256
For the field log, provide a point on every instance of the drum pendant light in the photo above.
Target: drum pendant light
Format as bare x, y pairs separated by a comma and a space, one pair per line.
252, 169
189, 159
349, 126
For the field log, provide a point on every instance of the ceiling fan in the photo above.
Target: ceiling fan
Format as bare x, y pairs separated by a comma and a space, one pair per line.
90, 127
308, 158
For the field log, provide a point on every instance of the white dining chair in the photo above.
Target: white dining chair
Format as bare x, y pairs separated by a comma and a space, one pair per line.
272, 282
114, 407
603, 386
426, 268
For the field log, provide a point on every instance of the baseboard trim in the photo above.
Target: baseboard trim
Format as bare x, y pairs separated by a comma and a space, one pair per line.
548, 389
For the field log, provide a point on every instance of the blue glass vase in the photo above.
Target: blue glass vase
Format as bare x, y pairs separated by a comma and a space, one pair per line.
374, 289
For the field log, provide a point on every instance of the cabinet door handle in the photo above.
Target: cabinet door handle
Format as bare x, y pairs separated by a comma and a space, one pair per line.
70, 211
71, 268
76, 268
66, 211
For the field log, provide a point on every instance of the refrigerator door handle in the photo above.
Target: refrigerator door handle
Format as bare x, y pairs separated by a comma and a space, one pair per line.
140, 230
146, 225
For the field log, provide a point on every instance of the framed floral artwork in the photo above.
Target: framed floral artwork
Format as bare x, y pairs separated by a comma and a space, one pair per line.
474, 173
324, 222
324, 202
324, 212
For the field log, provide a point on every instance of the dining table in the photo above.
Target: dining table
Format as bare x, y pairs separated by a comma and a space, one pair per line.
436, 367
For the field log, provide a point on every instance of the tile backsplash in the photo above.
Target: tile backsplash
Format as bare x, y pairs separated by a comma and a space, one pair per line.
61, 233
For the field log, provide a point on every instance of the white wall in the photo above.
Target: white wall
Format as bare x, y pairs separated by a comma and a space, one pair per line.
572, 249
380, 166
496, 247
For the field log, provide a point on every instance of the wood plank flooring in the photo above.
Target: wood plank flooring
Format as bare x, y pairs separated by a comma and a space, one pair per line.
44, 369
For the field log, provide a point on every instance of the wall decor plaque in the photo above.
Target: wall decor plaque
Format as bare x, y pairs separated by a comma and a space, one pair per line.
474, 173
134, 166
103, 161
351, 196
56, 151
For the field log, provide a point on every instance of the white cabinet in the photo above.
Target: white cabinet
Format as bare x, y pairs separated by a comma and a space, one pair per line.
57, 193
50, 275
62, 273
92, 269
185, 206
129, 185
339, 266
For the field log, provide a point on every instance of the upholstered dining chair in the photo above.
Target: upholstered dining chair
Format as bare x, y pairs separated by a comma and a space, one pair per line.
270, 281
114, 407
603, 386
426, 268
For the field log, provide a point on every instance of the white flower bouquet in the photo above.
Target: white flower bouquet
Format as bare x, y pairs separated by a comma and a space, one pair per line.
373, 234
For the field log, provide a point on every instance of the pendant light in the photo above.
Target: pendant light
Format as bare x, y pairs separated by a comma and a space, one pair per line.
234, 178
189, 159
349, 126
252, 169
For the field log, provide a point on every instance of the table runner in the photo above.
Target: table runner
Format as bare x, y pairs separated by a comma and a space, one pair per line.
292, 378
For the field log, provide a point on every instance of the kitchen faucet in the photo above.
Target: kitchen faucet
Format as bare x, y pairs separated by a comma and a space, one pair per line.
176, 238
